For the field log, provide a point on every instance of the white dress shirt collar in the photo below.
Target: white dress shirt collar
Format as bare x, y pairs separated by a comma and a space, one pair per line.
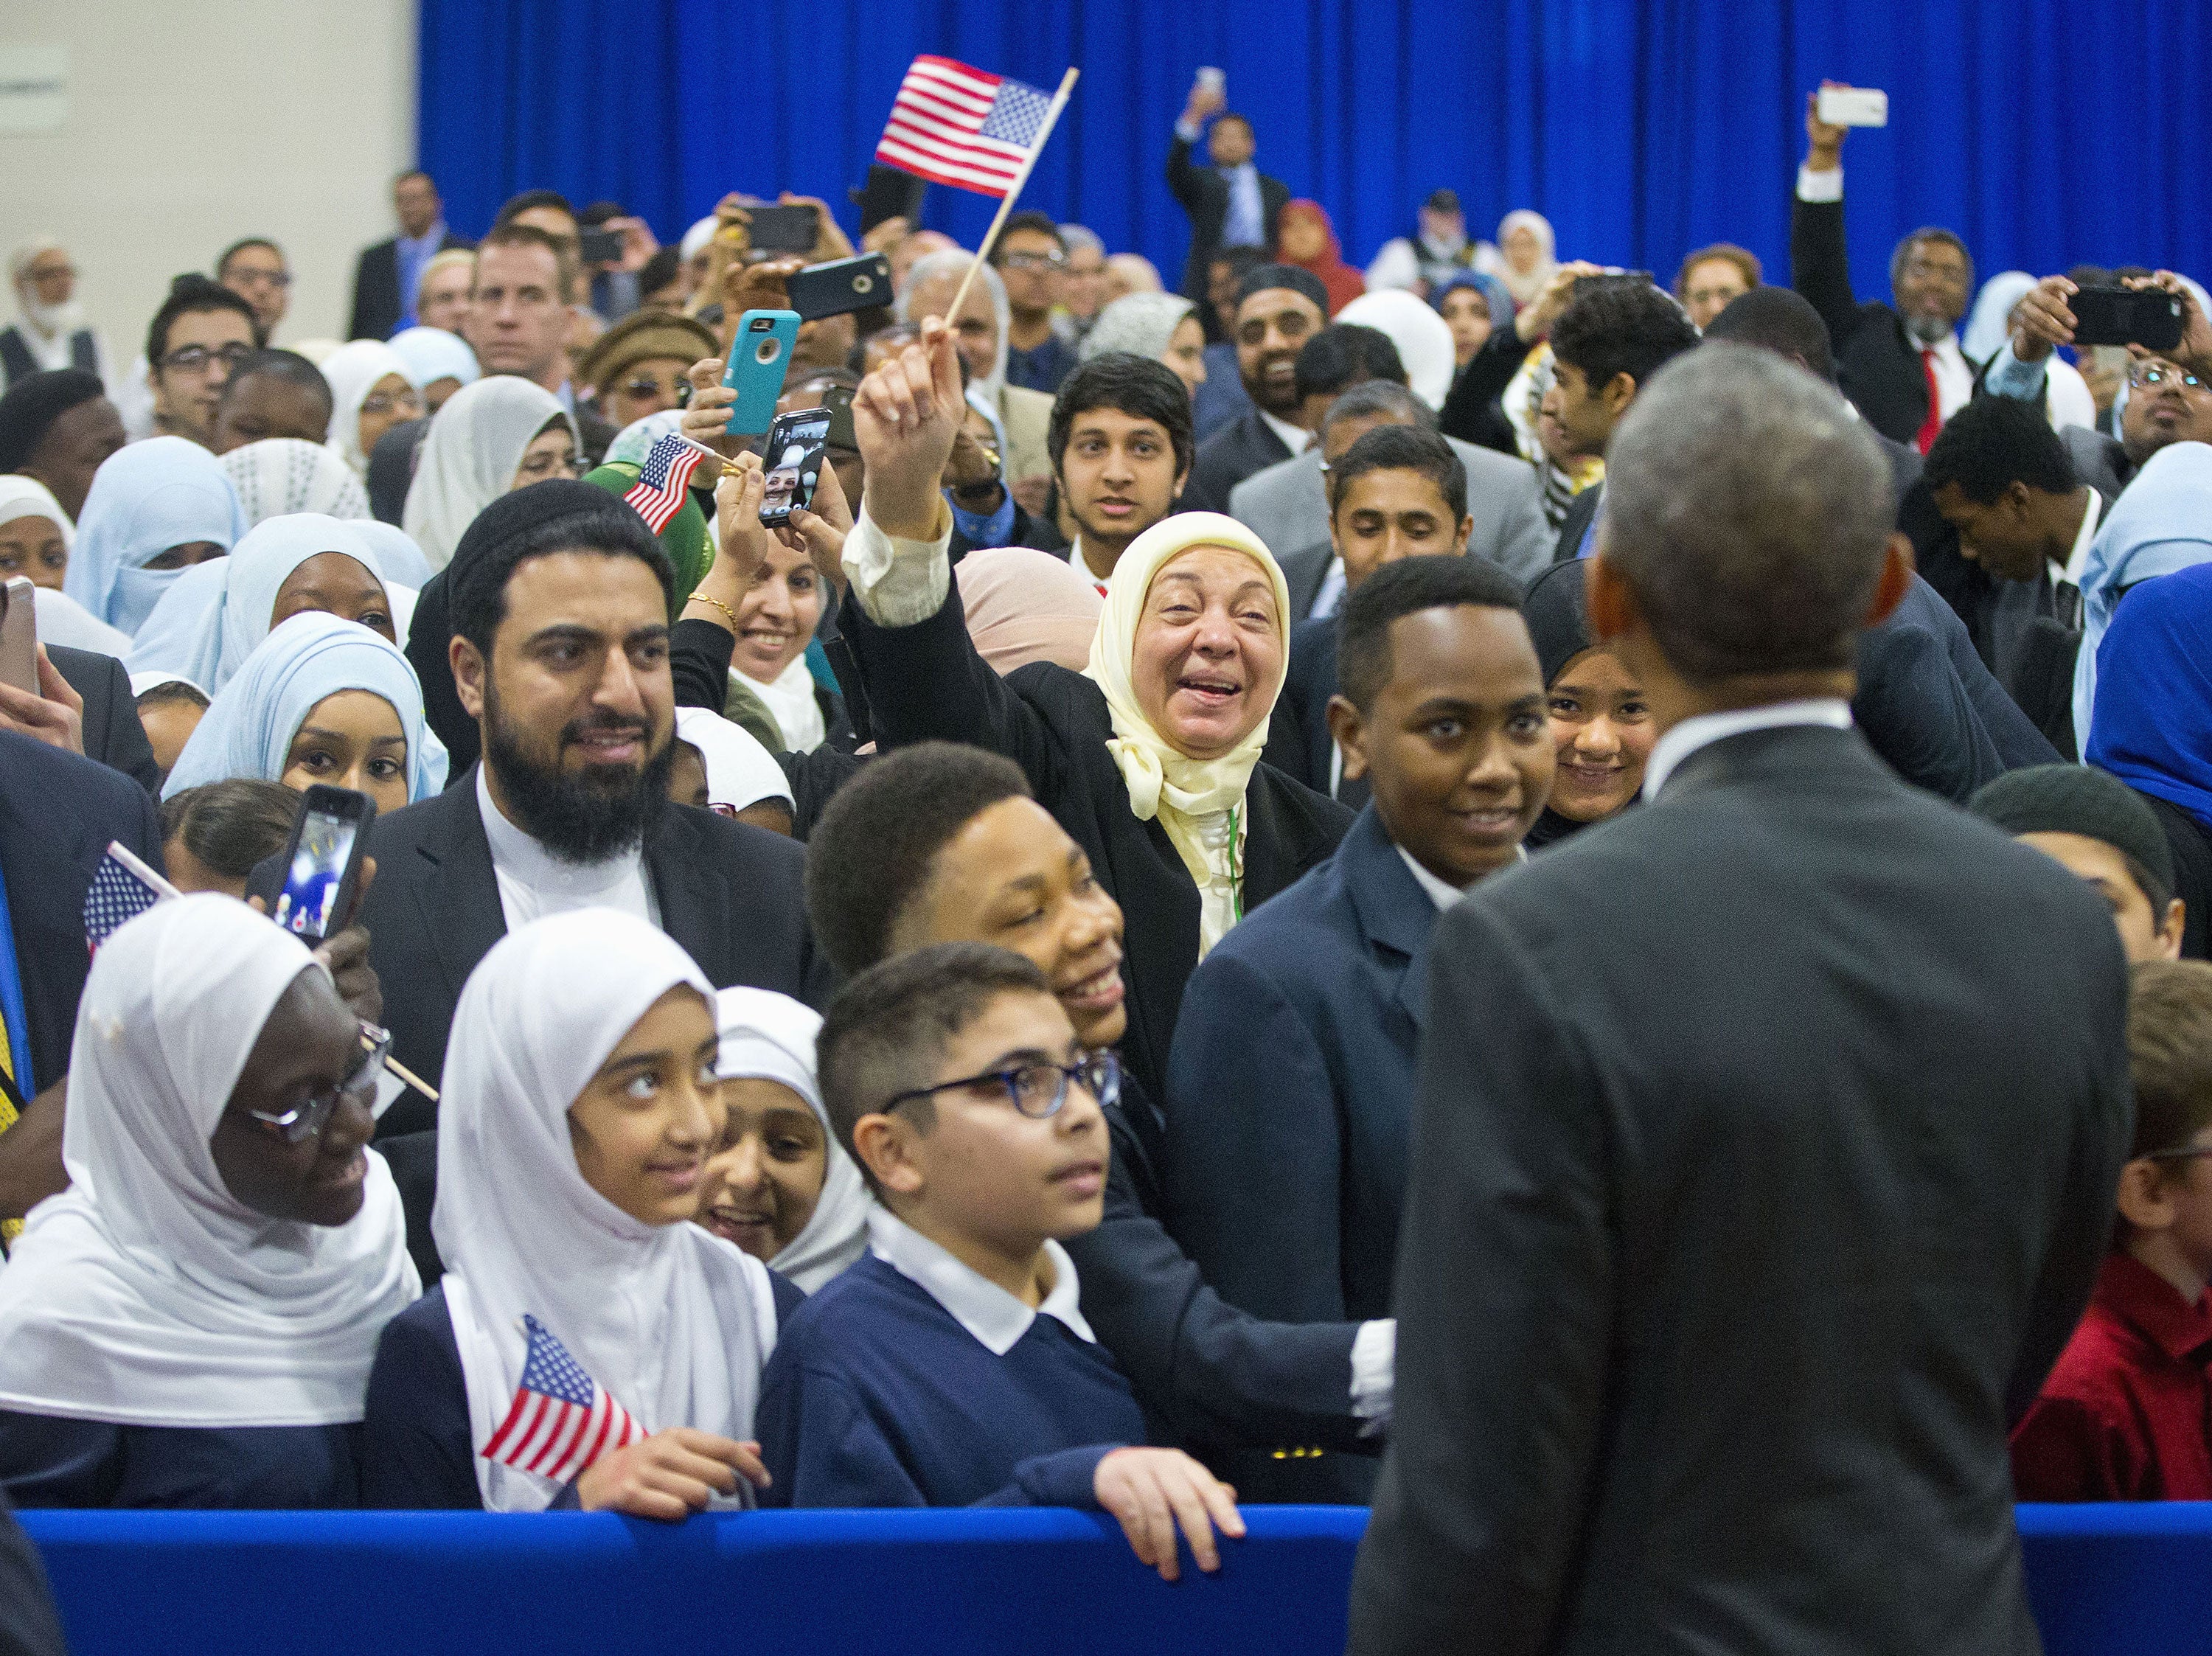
1691, 734
994, 1317
558, 885
1295, 438
1443, 892
2083, 537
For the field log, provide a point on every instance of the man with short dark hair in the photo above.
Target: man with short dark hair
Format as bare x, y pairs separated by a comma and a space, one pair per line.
1231, 203
1888, 1113
1279, 308
257, 270
1899, 362
1614, 334
55, 428
559, 605
1285, 1178
519, 317
198, 338
1121, 452
385, 279
1030, 258
272, 394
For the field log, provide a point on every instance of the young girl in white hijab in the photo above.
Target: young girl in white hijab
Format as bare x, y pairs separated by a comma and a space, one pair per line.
580, 1104
781, 1187
191, 1323
372, 390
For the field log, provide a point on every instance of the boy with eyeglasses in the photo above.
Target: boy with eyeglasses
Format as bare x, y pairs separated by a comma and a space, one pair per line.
2127, 1413
198, 339
952, 1366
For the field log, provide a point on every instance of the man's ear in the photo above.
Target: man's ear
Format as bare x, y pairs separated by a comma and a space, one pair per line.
468, 669
1463, 535
1350, 731
1619, 391
1182, 483
1613, 607
1896, 580
885, 1146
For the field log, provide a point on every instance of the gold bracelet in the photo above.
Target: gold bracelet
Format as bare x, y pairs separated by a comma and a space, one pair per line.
703, 597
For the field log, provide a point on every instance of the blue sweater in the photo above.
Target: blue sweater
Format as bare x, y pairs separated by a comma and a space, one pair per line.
877, 1397
48, 1461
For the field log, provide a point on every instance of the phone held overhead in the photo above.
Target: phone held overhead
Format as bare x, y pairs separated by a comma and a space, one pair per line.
759, 356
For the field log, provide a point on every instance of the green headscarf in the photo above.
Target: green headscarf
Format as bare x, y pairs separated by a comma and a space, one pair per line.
684, 539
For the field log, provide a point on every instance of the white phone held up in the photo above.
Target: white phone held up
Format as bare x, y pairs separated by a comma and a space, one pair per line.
1852, 106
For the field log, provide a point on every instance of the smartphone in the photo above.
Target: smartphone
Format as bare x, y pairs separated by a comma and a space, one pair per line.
1213, 80
599, 246
1852, 106
783, 229
758, 360
2149, 317
838, 399
890, 193
322, 863
18, 634
841, 287
792, 455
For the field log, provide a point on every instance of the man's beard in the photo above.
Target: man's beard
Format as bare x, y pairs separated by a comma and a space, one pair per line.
54, 321
578, 819
1927, 330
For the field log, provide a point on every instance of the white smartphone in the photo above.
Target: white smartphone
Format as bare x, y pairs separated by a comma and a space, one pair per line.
1212, 80
19, 635
1853, 106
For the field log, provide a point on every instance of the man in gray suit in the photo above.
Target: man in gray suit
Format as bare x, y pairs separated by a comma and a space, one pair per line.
1287, 505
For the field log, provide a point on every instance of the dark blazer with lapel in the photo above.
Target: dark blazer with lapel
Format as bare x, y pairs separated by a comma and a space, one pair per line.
1246, 445
57, 813
1299, 742
1764, 1159
1877, 364
113, 734
377, 303
1582, 512
728, 892
926, 682
1204, 194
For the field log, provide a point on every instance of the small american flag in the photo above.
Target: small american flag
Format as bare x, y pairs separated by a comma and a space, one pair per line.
658, 493
560, 1421
123, 887
954, 125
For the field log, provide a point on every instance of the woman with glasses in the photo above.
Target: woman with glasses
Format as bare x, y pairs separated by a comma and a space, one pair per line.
491, 437
589, 1346
191, 1324
637, 367
372, 390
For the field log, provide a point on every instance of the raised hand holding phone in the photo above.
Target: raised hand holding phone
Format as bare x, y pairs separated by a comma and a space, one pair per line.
906, 416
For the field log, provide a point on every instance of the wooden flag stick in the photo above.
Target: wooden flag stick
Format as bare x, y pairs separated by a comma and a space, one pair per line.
1006, 205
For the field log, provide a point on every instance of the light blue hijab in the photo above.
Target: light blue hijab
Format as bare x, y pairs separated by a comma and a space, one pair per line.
2161, 523
395, 548
145, 499
208, 624
248, 728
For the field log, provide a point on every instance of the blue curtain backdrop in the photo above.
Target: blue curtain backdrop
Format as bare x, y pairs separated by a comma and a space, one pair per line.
2046, 134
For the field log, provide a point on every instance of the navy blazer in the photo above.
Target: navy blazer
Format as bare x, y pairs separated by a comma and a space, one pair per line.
1299, 743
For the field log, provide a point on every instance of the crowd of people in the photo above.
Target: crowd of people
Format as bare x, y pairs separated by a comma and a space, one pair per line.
935, 1003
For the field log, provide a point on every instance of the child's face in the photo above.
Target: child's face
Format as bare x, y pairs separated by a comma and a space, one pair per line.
765, 1182
2187, 1186
985, 1171
643, 1126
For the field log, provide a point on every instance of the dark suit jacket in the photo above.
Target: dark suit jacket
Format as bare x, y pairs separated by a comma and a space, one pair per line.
1204, 194
926, 682
1299, 743
1582, 512
1245, 446
1303, 571
57, 812
1720, 1284
598, 436
113, 735
378, 304
729, 893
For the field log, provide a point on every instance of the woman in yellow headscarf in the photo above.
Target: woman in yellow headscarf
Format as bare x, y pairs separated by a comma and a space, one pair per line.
1150, 758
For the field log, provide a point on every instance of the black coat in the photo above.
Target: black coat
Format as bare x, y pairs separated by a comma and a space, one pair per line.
113, 734
1764, 1159
377, 302
1204, 194
926, 682
1244, 447
729, 893
1299, 743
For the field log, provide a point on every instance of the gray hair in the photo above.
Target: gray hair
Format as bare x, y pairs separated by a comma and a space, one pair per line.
1072, 236
1386, 398
1749, 513
951, 263
1140, 323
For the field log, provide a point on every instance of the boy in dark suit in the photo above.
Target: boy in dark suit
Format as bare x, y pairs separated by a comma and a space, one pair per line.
952, 1366
1285, 1179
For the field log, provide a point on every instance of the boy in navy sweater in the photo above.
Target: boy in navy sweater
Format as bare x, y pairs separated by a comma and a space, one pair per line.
952, 1366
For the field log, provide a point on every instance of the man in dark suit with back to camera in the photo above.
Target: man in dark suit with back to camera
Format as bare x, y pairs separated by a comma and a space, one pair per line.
1766, 1138
384, 280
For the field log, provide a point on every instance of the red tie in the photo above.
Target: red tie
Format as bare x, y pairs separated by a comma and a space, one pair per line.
1934, 423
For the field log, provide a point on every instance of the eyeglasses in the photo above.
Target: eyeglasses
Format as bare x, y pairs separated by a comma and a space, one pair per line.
304, 1121
49, 272
645, 385
407, 402
2147, 375
1038, 1090
197, 359
550, 465
2187, 1153
1036, 261
277, 279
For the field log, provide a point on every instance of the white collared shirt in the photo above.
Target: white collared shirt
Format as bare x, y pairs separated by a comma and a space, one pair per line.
533, 883
1295, 438
1443, 892
2084, 537
1328, 598
1076, 562
1686, 738
1955, 375
994, 1317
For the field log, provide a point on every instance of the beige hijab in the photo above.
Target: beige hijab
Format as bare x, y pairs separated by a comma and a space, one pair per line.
1193, 797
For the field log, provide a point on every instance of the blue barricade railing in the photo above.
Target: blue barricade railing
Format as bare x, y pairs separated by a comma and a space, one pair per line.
2101, 1579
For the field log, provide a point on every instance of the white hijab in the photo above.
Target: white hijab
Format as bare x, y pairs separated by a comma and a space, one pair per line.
148, 1294
469, 457
674, 1322
147, 499
354, 371
791, 701
771, 1037
740, 771
62, 618
1424, 339
279, 476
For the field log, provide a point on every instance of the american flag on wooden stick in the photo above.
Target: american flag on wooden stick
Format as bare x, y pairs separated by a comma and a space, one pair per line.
657, 495
561, 1420
955, 125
